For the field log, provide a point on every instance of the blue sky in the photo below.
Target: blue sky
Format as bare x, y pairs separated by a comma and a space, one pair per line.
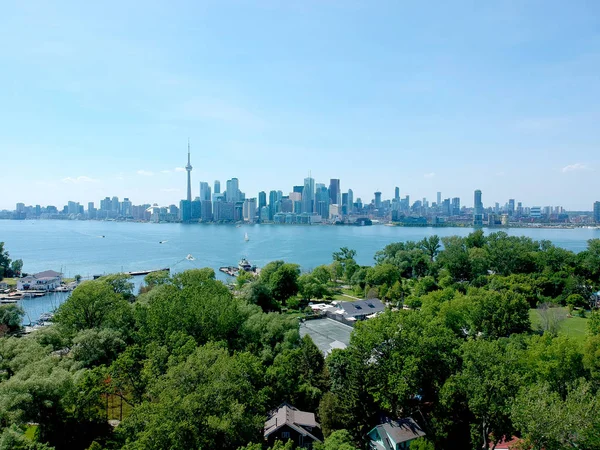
98, 98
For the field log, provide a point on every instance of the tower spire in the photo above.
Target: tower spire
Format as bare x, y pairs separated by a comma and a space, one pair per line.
188, 168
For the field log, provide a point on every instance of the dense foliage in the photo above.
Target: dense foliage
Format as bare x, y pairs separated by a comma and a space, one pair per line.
193, 363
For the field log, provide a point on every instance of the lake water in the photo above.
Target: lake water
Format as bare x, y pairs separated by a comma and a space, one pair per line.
89, 248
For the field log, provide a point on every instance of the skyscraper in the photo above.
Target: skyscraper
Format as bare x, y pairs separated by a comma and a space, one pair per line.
597, 212
351, 201
308, 195
334, 191
188, 169
262, 199
233, 190
397, 194
439, 199
478, 209
273, 209
204, 191
217, 187
511, 207
456, 206
377, 200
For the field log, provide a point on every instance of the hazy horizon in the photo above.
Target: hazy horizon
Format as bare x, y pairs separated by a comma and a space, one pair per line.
100, 99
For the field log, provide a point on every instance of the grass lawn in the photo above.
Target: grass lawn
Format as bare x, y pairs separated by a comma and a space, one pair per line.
575, 327
30, 432
12, 282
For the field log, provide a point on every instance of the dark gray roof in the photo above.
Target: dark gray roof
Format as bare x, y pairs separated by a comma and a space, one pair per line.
292, 417
362, 307
401, 430
47, 274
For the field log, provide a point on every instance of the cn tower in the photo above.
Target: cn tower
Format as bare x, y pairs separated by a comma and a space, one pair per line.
188, 168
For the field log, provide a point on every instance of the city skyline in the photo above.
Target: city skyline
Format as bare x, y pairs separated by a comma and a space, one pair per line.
204, 193
449, 98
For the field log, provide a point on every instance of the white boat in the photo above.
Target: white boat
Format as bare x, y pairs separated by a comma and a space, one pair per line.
246, 238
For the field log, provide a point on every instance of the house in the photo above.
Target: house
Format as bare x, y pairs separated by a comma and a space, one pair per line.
394, 434
287, 422
43, 281
359, 309
505, 444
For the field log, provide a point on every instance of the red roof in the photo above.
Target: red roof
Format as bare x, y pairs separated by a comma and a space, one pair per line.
506, 445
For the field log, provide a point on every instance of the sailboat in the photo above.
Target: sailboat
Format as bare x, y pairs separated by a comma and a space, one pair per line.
246, 238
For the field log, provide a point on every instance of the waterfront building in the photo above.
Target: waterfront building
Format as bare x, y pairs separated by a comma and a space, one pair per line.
206, 210
456, 206
350, 201
439, 200
397, 194
126, 207
322, 199
334, 191
478, 209
42, 281
264, 214
535, 212
262, 199
73, 208
250, 210
345, 206
308, 195
217, 189
232, 194
91, 210
511, 207
223, 211
377, 200
597, 212
287, 205
196, 209
204, 191
185, 210
114, 206
446, 207
273, 204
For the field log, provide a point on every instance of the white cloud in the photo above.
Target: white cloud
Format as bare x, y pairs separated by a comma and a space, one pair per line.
145, 173
429, 175
165, 171
79, 179
576, 167
170, 190
179, 169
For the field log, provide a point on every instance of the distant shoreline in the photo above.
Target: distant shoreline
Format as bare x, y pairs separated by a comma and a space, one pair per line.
388, 224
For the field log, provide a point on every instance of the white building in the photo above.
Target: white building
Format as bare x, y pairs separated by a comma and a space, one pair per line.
43, 281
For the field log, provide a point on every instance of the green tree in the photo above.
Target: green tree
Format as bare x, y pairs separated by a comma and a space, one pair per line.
157, 278
11, 316
93, 304
488, 380
97, 346
210, 400
284, 282
259, 293
298, 376
338, 440
4, 261
547, 421
120, 284
345, 257
16, 267
431, 246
